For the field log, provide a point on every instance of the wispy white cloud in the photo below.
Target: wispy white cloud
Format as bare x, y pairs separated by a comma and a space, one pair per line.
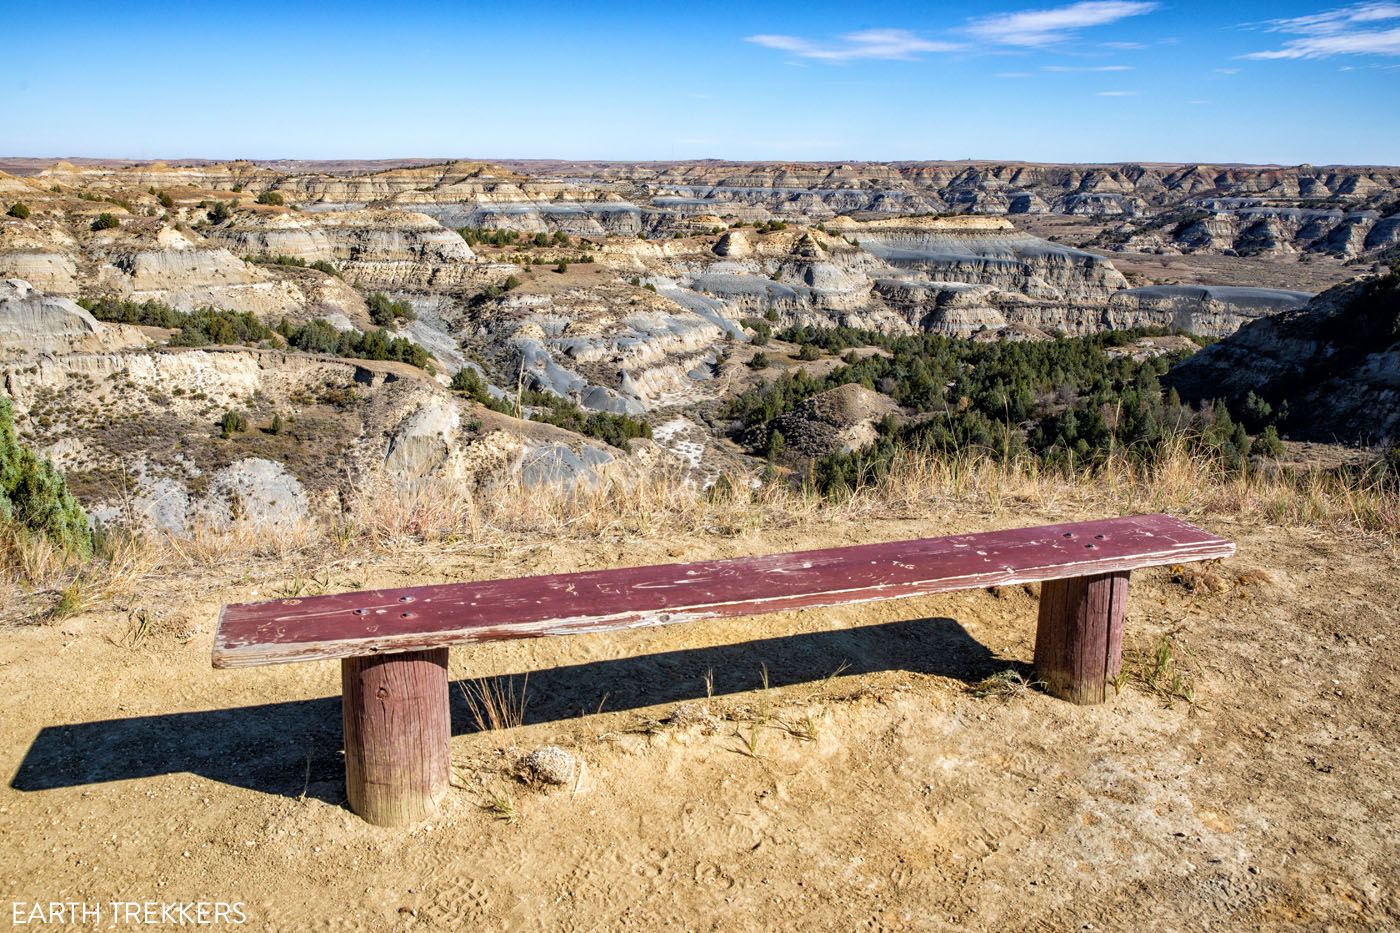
885, 44
1227, 71
1123, 46
1331, 21
1116, 94
1361, 29
1026, 29
1067, 69
1046, 27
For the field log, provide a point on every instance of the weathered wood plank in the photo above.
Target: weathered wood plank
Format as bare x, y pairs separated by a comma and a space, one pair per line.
415, 618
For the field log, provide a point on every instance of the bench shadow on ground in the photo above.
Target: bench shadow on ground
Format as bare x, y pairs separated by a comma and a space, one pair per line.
294, 748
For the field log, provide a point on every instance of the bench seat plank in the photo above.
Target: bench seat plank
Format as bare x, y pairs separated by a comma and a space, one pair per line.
416, 618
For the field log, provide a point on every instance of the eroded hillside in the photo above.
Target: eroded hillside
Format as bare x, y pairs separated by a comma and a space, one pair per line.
197, 343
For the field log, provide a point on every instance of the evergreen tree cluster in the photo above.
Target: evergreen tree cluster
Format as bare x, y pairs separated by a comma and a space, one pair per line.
320, 336
1066, 402
482, 236
200, 328
217, 327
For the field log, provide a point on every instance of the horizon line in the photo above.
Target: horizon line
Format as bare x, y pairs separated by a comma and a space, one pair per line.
425, 161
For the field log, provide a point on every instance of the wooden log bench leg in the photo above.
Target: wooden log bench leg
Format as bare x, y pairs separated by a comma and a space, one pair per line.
397, 732
1079, 637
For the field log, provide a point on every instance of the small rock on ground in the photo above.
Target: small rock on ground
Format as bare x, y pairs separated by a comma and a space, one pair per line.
549, 765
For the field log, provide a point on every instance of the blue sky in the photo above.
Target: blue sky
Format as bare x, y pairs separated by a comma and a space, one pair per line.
1103, 80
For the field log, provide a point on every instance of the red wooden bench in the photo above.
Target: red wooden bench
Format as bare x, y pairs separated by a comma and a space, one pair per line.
393, 643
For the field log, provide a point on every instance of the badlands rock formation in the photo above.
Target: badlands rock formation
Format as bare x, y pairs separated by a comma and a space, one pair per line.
627, 289
138, 434
1340, 355
1339, 211
1247, 227
1208, 310
33, 322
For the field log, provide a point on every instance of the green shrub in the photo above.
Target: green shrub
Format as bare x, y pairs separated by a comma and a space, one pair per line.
762, 331
270, 197
385, 312
776, 444
219, 213
759, 361
318, 336
19, 210
476, 236
34, 495
809, 352
468, 380
106, 221
166, 201
232, 423
1269, 443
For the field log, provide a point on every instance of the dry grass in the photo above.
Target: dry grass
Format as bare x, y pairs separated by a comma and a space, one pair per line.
1005, 685
651, 503
380, 517
1164, 667
501, 806
493, 702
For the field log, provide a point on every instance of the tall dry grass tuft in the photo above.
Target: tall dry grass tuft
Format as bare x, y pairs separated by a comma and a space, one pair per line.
638, 502
662, 501
381, 515
493, 702
33, 559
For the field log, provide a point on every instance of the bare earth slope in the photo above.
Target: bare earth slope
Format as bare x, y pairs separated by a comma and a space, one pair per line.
884, 797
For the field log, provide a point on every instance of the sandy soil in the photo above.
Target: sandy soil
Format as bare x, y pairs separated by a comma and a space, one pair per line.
137, 773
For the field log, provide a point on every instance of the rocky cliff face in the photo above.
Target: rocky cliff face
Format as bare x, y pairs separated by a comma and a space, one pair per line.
342, 424
1209, 310
374, 249
1242, 227
32, 322
1337, 360
987, 251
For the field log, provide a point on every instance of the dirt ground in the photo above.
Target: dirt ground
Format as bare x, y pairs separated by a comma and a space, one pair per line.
866, 788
